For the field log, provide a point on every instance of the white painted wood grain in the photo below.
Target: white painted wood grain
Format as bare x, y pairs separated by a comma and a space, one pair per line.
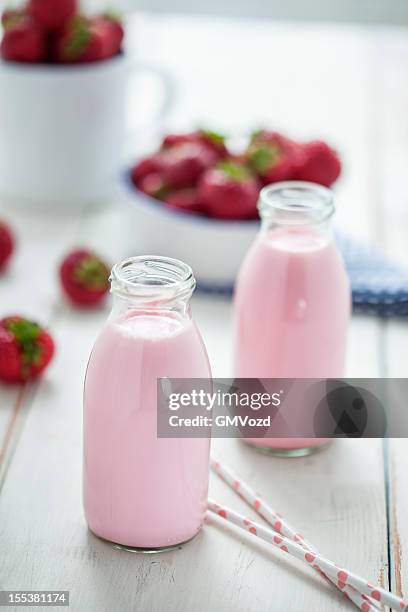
29, 287
392, 65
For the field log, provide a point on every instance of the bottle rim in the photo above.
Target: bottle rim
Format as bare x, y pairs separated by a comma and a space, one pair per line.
152, 276
292, 200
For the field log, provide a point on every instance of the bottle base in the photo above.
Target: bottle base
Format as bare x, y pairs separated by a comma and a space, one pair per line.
288, 452
141, 549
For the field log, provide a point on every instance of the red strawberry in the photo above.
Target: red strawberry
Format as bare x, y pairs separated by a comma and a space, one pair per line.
79, 41
154, 186
110, 28
185, 163
26, 349
84, 277
321, 164
229, 191
6, 244
186, 200
52, 14
148, 165
23, 40
211, 140
273, 157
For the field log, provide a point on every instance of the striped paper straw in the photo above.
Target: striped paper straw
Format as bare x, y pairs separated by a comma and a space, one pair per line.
342, 576
278, 523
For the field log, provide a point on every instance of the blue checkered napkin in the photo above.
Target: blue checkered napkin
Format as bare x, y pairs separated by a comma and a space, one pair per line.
379, 286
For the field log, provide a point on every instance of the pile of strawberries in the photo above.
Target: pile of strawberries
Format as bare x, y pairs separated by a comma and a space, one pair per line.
26, 348
197, 173
53, 31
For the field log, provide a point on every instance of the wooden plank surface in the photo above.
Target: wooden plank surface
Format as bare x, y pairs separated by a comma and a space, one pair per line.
393, 62
337, 497
29, 288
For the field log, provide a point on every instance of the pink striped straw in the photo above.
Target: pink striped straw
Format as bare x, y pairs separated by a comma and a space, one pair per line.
342, 576
279, 524
361, 599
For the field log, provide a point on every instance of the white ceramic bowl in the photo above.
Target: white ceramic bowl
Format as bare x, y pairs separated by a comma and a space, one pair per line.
213, 248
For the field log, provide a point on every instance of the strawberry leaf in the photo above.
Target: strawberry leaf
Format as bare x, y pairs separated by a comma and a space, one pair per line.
215, 137
78, 39
92, 273
26, 334
234, 171
262, 158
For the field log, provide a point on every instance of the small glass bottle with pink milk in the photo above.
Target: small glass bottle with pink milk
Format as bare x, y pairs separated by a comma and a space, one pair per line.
292, 298
142, 491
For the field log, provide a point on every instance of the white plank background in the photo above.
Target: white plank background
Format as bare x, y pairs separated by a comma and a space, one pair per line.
347, 84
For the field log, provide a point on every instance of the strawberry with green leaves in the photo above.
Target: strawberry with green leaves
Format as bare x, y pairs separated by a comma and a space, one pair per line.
229, 191
26, 349
209, 139
88, 40
273, 157
184, 163
173, 168
76, 43
84, 278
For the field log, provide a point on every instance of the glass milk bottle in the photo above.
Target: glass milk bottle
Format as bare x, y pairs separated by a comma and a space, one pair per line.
292, 297
141, 491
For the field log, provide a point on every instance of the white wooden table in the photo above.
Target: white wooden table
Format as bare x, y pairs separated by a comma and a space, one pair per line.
346, 84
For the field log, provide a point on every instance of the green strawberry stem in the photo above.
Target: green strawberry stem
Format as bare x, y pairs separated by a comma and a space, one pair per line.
92, 273
79, 38
215, 137
26, 334
264, 157
234, 171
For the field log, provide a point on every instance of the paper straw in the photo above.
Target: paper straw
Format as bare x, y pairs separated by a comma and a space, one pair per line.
342, 576
278, 523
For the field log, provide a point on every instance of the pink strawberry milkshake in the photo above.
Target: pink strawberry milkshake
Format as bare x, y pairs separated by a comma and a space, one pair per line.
139, 490
292, 298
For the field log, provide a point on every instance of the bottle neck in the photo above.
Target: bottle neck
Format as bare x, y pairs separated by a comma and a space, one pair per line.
325, 228
150, 283
296, 206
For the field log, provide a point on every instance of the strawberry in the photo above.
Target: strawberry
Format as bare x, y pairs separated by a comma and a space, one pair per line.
23, 40
185, 200
321, 164
79, 41
154, 186
148, 165
184, 164
84, 277
52, 14
211, 140
229, 191
88, 40
6, 244
111, 29
26, 349
273, 157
